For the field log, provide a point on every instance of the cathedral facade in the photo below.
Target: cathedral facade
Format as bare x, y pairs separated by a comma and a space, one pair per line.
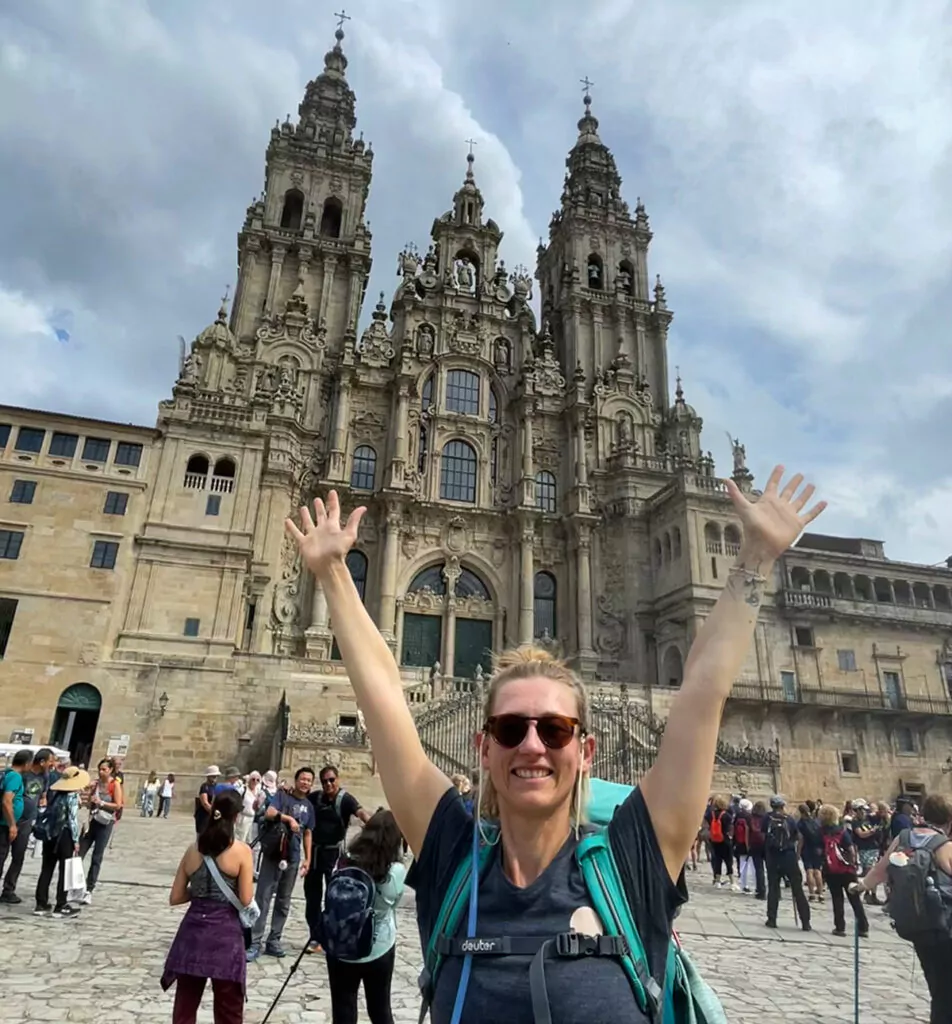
528, 477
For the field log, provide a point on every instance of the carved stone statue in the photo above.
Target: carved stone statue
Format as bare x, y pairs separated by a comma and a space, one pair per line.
425, 341
191, 369
465, 279
624, 431
594, 275
501, 354
740, 456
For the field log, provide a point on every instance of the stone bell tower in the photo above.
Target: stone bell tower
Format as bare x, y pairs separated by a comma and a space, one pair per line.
253, 422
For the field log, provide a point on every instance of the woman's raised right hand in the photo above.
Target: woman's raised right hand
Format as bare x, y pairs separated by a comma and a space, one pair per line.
322, 540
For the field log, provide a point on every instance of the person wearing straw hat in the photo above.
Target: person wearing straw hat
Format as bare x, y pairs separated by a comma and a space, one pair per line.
61, 829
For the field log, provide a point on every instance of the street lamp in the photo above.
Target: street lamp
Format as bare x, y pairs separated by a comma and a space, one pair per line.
163, 703
947, 767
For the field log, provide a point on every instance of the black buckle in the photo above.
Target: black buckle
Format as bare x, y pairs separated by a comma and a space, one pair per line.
571, 944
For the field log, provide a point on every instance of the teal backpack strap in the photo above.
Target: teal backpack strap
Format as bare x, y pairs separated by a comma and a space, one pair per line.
448, 920
603, 881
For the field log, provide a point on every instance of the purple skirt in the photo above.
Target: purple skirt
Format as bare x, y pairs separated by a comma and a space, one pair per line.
208, 944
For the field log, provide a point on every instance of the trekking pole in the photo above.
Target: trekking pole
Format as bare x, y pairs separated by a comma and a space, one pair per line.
294, 967
856, 971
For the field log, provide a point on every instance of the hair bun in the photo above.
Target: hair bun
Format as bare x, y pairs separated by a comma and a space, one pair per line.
526, 655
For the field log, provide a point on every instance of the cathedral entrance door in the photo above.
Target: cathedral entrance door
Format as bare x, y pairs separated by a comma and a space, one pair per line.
474, 645
75, 721
421, 639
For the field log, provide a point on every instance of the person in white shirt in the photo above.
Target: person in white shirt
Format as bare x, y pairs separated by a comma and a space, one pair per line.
165, 795
252, 800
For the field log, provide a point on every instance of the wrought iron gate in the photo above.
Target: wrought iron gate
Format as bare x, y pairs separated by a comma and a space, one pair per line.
448, 725
626, 737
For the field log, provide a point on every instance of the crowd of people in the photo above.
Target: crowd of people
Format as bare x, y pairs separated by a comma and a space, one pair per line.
68, 815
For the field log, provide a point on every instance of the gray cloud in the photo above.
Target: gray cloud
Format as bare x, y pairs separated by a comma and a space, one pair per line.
795, 166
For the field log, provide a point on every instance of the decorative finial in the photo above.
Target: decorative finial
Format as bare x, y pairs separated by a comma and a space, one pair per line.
678, 391
470, 158
341, 17
586, 91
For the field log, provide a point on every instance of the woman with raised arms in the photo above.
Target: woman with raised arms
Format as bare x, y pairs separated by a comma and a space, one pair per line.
536, 751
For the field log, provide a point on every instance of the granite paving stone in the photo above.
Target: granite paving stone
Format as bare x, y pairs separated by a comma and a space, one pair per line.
104, 966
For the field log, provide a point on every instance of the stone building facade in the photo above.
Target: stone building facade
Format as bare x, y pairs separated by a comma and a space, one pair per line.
527, 477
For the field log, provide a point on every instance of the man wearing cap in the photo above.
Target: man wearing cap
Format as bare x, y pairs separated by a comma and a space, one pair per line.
233, 780
206, 794
782, 842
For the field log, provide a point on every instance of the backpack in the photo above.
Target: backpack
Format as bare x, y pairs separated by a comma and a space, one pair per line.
756, 841
274, 837
921, 910
811, 832
834, 859
683, 998
717, 827
347, 921
50, 822
740, 832
777, 836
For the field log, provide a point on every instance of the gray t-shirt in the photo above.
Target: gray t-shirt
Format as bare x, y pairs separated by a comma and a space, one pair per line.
592, 990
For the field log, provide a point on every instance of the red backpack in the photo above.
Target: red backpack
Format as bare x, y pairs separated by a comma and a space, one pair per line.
834, 859
740, 832
717, 828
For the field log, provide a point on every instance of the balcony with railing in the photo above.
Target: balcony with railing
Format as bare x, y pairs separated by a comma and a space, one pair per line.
856, 700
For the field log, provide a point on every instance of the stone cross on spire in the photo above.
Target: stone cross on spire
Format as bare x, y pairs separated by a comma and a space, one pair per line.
586, 90
341, 17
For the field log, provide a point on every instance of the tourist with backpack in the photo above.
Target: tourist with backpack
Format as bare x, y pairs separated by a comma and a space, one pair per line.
741, 845
917, 870
839, 869
720, 821
556, 923
58, 831
811, 852
359, 923
757, 849
12, 803
36, 781
285, 841
782, 842
334, 809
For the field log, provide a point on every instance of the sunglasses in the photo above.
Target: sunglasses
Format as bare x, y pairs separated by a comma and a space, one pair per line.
555, 731
328, 782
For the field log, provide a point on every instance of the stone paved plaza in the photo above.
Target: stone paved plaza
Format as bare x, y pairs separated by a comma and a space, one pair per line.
104, 966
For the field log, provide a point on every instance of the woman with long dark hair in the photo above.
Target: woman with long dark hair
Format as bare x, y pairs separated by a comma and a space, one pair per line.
377, 849
209, 944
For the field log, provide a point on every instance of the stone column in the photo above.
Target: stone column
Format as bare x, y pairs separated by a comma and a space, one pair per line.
249, 259
449, 637
401, 436
277, 262
526, 582
528, 479
327, 285
584, 578
388, 576
318, 637
398, 628
341, 416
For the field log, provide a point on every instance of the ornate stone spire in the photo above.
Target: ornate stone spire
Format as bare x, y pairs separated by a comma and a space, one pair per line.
468, 201
592, 180
329, 101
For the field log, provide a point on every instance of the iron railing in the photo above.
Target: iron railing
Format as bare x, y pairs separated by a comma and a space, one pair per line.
815, 696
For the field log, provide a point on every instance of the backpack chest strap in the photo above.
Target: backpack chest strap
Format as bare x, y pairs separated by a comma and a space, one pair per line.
567, 945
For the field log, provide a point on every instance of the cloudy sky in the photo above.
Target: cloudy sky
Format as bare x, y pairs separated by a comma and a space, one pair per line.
796, 168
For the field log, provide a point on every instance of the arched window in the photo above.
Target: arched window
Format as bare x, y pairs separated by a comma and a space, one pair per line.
293, 211
198, 465
672, 669
595, 272
546, 492
356, 562
493, 408
731, 539
470, 585
543, 605
428, 579
462, 392
712, 538
364, 469
626, 273
458, 472
223, 476
426, 395
332, 218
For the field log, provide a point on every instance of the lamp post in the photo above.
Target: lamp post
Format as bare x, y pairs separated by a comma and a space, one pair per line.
163, 703
947, 767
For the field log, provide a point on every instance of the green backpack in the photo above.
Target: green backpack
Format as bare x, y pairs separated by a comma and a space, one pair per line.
685, 997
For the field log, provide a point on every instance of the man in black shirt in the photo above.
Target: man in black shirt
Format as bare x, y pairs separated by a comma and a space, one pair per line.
781, 846
333, 810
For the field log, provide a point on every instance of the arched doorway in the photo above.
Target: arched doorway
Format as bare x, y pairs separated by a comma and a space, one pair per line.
75, 721
448, 616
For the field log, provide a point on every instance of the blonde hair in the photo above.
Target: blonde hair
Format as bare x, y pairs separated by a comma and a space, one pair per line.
721, 803
829, 814
528, 662
462, 784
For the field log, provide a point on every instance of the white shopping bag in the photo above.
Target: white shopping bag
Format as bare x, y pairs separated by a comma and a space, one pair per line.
74, 879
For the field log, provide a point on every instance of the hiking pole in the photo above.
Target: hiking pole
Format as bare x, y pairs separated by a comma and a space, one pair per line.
856, 970
294, 967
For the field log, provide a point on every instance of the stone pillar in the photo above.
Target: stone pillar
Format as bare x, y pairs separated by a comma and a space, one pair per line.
327, 285
318, 637
335, 470
249, 259
584, 578
526, 582
388, 577
398, 629
499, 625
528, 479
449, 637
401, 436
277, 262
353, 303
